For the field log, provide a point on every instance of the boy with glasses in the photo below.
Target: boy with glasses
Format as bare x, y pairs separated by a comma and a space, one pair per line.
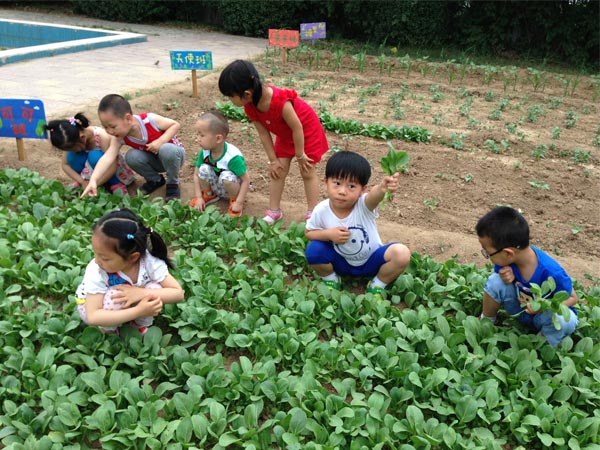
504, 237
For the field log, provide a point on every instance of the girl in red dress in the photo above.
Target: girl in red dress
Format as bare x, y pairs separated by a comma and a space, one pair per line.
294, 123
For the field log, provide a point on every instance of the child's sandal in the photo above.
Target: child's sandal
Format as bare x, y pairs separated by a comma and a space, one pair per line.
230, 210
273, 216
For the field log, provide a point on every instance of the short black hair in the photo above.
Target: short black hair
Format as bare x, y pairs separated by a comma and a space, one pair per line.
115, 104
217, 123
348, 166
505, 227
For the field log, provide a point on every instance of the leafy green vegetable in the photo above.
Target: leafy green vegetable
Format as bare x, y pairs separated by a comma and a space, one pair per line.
249, 360
394, 162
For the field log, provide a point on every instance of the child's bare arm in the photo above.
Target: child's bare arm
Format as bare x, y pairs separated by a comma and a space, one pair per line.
244, 187
169, 292
376, 194
337, 235
291, 118
169, 127
266, 140
106, 163
150, 305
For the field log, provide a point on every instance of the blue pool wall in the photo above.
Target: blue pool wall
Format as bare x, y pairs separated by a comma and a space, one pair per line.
31, 40
13, 35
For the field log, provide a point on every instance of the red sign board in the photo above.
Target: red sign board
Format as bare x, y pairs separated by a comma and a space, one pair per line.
284, 38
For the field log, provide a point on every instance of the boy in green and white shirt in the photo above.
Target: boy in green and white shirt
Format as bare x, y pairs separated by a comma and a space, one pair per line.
221, 166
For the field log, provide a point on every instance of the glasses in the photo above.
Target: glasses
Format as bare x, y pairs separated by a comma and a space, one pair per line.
487, 255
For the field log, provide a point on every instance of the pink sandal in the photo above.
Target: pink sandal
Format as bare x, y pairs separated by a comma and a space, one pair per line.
272, 216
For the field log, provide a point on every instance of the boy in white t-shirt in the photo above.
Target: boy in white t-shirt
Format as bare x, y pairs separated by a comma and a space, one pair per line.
342, 230
221, 166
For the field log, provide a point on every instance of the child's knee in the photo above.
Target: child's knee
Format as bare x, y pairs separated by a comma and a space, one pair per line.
398, 254
108, 303
498, 290
205, 172
317, 252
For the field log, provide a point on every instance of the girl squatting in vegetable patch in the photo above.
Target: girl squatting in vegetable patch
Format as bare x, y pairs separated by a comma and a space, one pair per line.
83, 146
297, 128
128, 280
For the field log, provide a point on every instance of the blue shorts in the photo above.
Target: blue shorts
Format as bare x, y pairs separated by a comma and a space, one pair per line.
320, 252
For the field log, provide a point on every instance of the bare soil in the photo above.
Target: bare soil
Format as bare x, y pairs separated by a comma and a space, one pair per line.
479, 156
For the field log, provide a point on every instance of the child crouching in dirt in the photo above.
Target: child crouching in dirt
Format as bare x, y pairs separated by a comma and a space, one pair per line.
504, 237
83, 146
221, 166
342, 229
128, 280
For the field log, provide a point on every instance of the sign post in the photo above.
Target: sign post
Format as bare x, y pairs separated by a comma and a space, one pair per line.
22, 119
191, 60
312, 31
284, 39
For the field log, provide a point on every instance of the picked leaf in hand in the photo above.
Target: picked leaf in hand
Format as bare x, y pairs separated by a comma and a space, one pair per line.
394, 161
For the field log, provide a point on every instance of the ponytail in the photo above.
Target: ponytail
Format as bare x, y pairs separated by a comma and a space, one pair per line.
131, 235
238, 77
64, 133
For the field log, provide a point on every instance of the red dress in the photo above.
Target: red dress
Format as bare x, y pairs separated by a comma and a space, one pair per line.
315, 141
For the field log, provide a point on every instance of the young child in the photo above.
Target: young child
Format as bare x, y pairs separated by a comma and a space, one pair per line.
83, 146
297, 128
155, 147
221, 167
342, 230
504, 237
128, 280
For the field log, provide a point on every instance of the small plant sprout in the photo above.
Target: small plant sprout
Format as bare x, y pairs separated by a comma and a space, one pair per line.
468, 178
539, 152
539, 185
495, 114
571, 119
432, 203
576, 229
360, 60
503, 104
492, 146
394, 162
596, 140
489, 96
533, 113
556, 133
580, 156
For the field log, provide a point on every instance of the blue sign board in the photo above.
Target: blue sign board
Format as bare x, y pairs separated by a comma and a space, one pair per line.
191, 60
312, 31
22, 118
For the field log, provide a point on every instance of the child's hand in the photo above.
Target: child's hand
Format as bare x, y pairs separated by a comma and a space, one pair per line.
153, 147
304, 163
506, 274
150, 305
237, 206
198, 203
339, 235
529, 310
129, 295
275, 169
390, 183
91, 189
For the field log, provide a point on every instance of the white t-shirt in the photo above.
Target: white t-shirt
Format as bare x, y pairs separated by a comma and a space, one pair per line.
364, 237
97, 281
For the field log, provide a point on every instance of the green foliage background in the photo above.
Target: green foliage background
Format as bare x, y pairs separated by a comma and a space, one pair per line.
557, 30
260, 356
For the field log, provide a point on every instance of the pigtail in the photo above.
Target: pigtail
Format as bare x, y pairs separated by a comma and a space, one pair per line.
81, 120
158, 248
256, 84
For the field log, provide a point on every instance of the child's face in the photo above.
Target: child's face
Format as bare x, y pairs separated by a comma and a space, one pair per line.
497, 256
207, 139
243, 100
343, 193
118, 127
105, 255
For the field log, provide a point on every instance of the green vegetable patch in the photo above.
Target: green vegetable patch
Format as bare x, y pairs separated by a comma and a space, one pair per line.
261, 356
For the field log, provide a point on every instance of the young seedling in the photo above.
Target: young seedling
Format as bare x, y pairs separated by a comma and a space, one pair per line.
394, 162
